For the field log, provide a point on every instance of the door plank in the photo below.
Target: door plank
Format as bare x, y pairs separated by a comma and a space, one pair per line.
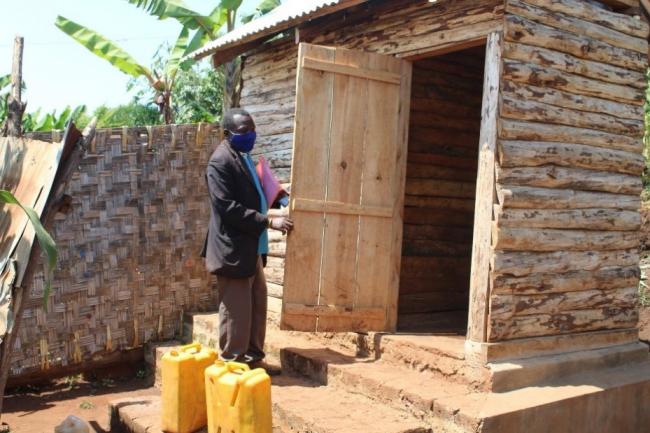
355, 71
342, 271
385, 149
306, 205
303, 259
339, 265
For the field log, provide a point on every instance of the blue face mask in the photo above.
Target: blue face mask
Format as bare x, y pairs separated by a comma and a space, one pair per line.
243, 142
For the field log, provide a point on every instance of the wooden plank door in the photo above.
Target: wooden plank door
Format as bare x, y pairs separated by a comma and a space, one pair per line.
347, 189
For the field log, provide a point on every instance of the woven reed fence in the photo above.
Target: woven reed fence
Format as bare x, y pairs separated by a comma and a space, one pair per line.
129, 249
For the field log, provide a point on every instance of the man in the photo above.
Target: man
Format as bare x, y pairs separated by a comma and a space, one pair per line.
237, 241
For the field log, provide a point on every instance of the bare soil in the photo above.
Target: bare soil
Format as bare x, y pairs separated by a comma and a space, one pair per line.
40, 409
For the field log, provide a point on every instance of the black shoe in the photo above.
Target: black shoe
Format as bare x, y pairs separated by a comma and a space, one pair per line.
271, 370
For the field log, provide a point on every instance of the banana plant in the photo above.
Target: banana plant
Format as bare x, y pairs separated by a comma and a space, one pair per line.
5, 81
207, 28
33, 122
162, 81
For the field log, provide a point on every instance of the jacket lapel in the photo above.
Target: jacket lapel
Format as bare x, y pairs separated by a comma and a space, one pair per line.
242, 166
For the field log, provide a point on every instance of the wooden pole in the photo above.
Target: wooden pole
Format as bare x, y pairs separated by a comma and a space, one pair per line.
15, 106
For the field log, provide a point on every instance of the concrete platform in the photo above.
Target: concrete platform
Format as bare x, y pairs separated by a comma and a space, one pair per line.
298, 406
423, 383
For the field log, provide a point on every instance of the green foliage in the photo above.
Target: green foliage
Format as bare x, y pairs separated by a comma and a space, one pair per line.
131, 114
34, 121
5, 80
44, 239
263, 8
103, 47
176, 9
198, 93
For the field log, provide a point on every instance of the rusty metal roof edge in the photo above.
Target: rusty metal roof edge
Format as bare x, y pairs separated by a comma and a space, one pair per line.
283, 17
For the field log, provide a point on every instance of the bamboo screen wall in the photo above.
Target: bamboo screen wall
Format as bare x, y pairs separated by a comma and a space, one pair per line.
129, 249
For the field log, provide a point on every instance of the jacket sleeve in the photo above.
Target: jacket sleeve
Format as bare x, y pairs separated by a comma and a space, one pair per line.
221, 183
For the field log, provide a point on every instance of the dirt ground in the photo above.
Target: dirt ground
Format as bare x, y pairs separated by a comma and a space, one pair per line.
40, 409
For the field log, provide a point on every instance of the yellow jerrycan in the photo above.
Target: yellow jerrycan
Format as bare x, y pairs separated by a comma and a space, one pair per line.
238, 399
183, 388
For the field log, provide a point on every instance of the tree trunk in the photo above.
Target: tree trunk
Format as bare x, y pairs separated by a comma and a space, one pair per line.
232, 73
168, 111
16, 107
232, 85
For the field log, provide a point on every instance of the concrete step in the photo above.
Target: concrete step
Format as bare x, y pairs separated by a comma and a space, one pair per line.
587, 402
153, 352
443, 355
402, 389
541, 370
298, 406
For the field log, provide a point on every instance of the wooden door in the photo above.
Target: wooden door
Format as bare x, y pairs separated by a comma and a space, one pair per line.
347, 189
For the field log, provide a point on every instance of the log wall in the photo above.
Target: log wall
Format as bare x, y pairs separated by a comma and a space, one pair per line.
568, 170
129, 249
269, 74
441, 186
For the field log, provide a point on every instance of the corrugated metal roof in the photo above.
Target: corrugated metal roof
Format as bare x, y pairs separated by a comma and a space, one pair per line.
286, 15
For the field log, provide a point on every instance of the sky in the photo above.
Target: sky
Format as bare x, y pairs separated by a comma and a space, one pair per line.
58, 71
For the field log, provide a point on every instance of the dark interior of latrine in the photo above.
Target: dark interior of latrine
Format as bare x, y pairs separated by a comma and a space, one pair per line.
443, 147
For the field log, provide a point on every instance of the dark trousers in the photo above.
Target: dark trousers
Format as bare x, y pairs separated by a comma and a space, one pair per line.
242, 316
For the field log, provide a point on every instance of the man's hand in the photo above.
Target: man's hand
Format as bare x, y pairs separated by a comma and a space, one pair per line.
283, 224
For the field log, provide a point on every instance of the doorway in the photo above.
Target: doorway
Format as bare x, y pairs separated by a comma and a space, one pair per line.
444, 127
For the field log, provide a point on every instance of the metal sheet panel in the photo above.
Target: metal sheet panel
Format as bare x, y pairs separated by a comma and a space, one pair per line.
281, 18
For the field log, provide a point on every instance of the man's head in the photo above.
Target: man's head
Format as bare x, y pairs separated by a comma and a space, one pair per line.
239, 129
237, 121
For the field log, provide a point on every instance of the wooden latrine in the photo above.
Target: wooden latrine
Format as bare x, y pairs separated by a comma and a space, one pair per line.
513, 155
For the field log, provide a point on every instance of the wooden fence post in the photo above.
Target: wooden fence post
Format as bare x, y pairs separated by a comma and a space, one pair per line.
15, 106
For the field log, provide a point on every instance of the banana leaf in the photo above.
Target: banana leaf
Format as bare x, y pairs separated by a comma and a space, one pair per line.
176, 60
44, 124
177, 10
5, 81
43, 237
263, 8
104, 48
59, 122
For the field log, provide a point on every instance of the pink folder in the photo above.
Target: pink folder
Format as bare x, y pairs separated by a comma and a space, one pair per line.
270, 184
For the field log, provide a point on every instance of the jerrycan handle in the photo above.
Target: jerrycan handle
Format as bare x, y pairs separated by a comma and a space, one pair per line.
193, 347
237, 367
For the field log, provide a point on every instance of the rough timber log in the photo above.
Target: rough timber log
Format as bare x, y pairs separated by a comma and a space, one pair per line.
511, 196
529, 109
606, 278
540, 239
552, 176
544, 12
603, 17
525, 31
574, 65
563, 323
519, 91
523, 130
543, 76
519, 264
536, 153
508, 306
585, 219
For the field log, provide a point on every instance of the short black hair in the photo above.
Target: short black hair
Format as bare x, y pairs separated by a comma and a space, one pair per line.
228, 120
